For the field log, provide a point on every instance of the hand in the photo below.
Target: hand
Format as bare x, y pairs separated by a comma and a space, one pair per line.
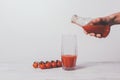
93, 34
101, 22
99, 27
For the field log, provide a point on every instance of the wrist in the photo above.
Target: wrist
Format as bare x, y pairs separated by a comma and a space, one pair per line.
114, 19
111, 20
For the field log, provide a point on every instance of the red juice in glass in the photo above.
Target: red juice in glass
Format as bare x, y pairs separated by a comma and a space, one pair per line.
69, 61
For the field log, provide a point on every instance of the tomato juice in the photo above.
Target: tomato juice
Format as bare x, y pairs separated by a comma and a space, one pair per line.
69, 61
98, 29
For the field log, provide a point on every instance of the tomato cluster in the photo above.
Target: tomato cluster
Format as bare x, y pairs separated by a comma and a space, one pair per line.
47, 64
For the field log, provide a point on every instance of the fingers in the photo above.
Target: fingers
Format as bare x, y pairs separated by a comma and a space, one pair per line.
92, 34
95, 21
100, 20
98, 35
95, 35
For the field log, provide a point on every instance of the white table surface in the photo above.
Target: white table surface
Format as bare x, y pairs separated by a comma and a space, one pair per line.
84, 71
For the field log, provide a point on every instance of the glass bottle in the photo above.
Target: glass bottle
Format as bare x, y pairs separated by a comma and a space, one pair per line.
102, 29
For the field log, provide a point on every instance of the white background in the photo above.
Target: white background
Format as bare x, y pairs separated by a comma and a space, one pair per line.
30, 30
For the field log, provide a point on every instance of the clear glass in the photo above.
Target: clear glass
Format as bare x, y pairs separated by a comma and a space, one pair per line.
69, 52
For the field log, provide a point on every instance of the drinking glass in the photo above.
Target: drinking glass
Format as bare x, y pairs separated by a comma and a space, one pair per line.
69, 51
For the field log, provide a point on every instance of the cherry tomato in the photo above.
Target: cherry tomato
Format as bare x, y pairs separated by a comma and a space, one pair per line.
42, 65
59, 63
41, 62
54, 64
48, 64
35, 64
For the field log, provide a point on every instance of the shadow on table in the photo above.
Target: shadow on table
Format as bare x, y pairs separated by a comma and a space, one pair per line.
90, 64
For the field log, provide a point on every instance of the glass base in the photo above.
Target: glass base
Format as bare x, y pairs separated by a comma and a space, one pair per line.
68, 68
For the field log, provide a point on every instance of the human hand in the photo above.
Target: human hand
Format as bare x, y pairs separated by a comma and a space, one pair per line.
99, 27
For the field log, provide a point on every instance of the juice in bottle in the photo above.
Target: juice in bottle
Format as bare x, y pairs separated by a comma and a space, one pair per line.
99, 29
104, 30
69, 61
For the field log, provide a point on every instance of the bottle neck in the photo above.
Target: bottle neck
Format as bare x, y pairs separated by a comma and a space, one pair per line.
80, 21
